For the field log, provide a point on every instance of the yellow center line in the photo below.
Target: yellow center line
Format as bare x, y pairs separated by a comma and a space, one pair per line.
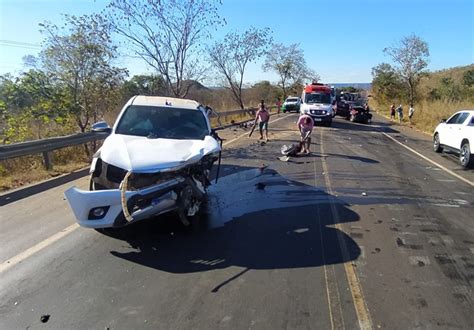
362, 311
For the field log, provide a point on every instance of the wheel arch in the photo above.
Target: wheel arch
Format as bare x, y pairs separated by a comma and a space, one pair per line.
465, 140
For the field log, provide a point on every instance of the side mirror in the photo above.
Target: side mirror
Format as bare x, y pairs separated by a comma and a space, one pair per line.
101, 126
209, 110
443, 120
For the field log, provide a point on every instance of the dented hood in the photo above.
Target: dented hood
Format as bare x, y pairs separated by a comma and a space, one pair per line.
143, 155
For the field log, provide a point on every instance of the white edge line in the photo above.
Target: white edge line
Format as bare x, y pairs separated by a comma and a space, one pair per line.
36, 248
66, 231
431, 161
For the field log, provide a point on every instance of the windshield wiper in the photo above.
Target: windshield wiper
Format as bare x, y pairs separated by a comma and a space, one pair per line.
152, 136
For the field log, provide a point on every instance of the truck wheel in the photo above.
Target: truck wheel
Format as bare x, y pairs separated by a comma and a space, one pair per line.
465, 158
436, 143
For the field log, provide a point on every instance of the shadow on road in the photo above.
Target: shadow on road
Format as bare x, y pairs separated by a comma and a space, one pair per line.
253, 151
255, 220
376, 126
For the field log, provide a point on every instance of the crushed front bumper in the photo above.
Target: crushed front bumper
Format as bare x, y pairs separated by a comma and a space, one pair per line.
88, 206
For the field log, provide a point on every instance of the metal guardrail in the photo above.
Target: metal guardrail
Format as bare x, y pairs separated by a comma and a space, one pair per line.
46, 146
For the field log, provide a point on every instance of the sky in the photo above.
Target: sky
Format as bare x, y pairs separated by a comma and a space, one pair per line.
341, 40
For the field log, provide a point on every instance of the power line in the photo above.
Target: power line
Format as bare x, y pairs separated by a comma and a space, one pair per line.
18, 44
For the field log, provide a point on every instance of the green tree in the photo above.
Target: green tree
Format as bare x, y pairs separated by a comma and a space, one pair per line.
449, 90
167, 35
144, 85
263, 90
290, 65
410, 55
468, 78
386, 83
231, 56
29, 106
350, 89
80, 55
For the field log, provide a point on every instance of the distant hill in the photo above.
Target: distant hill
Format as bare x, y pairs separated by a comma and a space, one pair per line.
433, 79
196, 86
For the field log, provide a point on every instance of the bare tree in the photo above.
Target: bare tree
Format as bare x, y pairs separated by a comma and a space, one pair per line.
231, 56
166, 34
290, 65
411, 56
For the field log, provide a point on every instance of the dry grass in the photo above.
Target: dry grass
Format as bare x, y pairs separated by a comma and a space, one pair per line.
22, 171
427, 113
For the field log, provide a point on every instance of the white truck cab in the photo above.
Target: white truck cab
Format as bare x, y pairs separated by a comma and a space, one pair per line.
317, 101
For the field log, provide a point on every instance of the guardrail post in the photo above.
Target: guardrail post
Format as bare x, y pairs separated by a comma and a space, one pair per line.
48, 160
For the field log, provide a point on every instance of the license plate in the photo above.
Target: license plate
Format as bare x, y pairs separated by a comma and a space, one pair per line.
317, 119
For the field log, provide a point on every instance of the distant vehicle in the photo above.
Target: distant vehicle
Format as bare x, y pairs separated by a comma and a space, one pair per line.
360, 114
292, 103
316, 101
457, 135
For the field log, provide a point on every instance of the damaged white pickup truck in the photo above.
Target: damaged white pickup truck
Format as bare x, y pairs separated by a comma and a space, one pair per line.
157, 159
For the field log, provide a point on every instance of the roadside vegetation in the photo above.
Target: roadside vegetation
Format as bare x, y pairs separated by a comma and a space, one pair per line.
434, 95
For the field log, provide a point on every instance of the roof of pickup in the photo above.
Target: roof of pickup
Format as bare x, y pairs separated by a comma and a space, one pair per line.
164, 101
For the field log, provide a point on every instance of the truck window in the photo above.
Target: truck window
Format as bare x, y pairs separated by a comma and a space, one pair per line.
318, 98
462, 118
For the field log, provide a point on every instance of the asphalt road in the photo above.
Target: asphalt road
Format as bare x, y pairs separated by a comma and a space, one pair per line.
362, 233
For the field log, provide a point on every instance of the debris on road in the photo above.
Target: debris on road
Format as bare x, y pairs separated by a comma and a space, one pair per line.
364, 194
45, 318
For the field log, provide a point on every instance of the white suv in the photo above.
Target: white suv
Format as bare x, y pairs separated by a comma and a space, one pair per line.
457, 134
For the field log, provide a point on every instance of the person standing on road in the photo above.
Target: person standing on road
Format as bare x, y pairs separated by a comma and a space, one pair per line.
262, 117
278, 105
392, 112
305, 125
411, 111
400, 113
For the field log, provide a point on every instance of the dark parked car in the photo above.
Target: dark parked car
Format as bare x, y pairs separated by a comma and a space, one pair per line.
360, 114
343, 108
